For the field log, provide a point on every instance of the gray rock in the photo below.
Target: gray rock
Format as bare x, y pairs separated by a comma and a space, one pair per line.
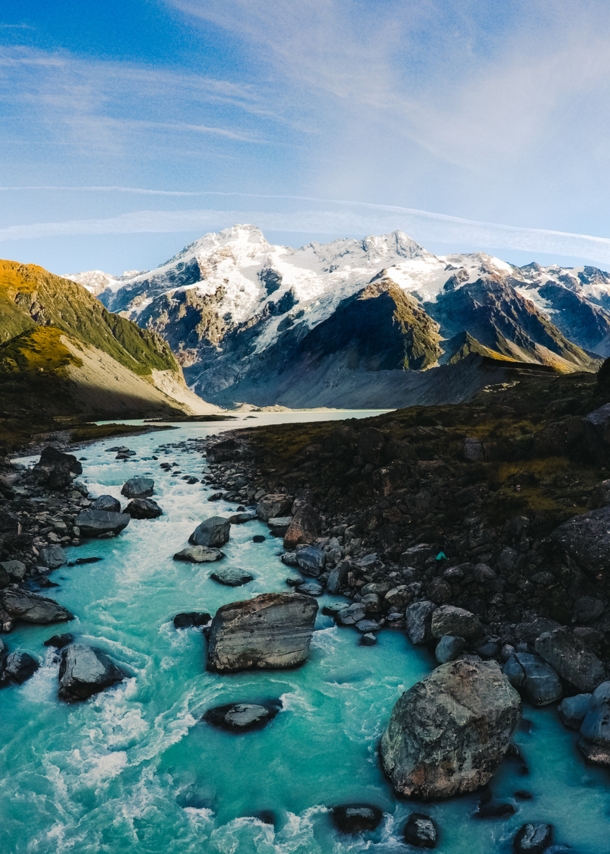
368, 639
52, 557
587, 609
399, 596
474, 452
198, 554
586, 539
310, 588
420, 831
356, 818
97, 523
32, 608
242, 518
304, 526
272, 631
418, 619
84, 671
143, 508
243, 717
595, 728
532, 675
449, 733
231, 576
20, 666
107, 502
15, 569
367, 626
272, 505
572, 710
311, 560
448, 648
5, 579
597, 434
138, 487
351, 615
214, 531
533, 839
571, 659
338, 576
278, 525
449, 620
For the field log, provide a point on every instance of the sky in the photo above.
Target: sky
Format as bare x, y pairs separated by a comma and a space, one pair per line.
129, 128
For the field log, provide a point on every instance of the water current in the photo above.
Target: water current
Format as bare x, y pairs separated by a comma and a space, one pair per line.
133, 769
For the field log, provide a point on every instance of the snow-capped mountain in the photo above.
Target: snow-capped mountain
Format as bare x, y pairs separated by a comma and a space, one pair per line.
248, 319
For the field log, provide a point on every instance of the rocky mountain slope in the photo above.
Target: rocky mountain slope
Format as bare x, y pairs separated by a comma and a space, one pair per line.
312, 326
63, 354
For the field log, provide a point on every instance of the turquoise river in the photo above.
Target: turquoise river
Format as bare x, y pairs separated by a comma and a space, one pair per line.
133, 769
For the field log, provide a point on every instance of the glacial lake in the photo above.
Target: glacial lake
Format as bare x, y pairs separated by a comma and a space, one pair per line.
133, 770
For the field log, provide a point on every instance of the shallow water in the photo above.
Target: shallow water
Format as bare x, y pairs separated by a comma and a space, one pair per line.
134, 771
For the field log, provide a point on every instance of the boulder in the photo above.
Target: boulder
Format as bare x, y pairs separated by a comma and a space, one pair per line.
587, 609
138, 487
356, 818
272, 631
243, 717
419, 621
571, 659
338, 576
448, 648
304, 527
597, 434
279, 525
595, 728
533, 839
14, 569
310, 588
214, 531
311, 560
573, 710
52, 557
449, 733
449, 620
5, 578
420, 831
57, 469
399, 597
84, 671
586, 539
59, 641
190, 619
143, 508
19, 666
534, 677
351, 614
198, 554
231, 576
273, 505
242, 518
99, 523
107, 502
33, 608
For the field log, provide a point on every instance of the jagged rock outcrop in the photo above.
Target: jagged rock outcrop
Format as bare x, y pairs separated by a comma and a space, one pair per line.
448, 733
272, 631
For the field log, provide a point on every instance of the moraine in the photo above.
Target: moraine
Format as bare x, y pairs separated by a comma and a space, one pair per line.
134, 769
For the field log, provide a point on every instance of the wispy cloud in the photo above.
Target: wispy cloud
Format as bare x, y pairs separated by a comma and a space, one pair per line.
421, 225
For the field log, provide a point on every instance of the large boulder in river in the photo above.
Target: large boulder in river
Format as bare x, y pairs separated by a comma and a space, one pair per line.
273, 505
138, 487
99, 523
143, 508
269, 632
32, 608
84, 671
448, 733
198, 554
243, 717
571, 659
586, 539
19, 667
214, 531
107, 502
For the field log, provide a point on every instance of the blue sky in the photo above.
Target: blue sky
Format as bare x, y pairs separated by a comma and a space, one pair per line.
130, 127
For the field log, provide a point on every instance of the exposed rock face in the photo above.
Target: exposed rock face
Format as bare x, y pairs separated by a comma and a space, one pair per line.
97, 523
198, 554
107, 502
535, 677
269, 632
243, 717
32, 608
143, 508
595, 728
84, 671
214, 531
571, 659
273, 505
138, 487
356, 818
52, 557
597, 434
586, 538
448, 733
449, 620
